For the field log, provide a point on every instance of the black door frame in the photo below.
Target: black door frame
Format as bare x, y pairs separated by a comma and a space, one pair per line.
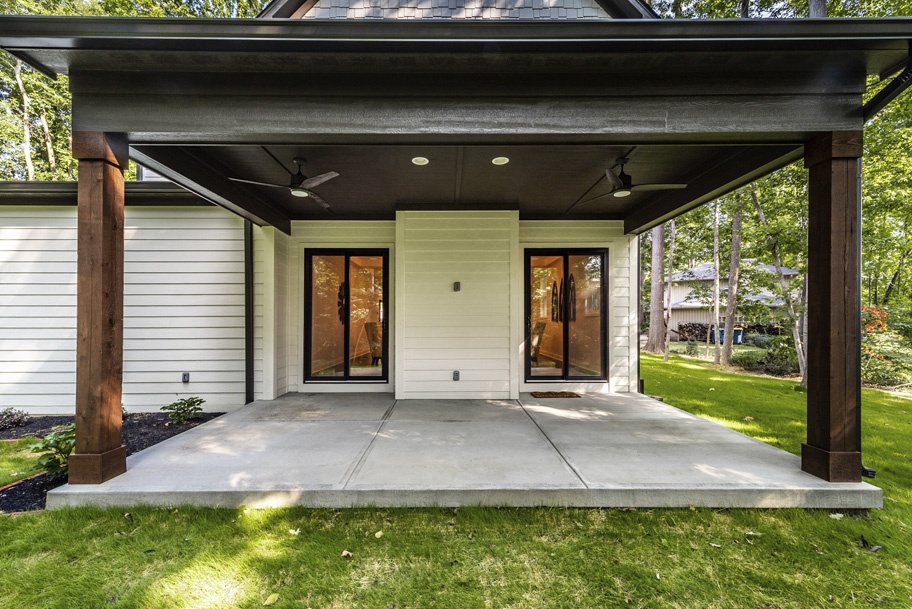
347, 253
565, 253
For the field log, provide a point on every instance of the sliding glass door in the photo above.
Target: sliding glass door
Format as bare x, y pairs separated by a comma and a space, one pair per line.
345, 320
566, 315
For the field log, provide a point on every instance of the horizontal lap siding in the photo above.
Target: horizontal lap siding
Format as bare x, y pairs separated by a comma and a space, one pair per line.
442, 330
622, 290
183, 307
348, 234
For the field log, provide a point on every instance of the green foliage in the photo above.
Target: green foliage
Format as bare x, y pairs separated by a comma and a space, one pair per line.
692, 348
886, 359
12, 417
184, 409
781, 358
55, 449
748, 360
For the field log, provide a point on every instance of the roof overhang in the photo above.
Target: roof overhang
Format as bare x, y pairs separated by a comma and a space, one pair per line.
714, 104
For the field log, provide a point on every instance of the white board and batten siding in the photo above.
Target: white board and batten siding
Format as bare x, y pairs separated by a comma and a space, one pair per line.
183, 307
623, 359
441, 330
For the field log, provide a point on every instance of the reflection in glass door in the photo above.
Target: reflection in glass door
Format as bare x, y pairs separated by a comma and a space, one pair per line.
344, 310
565, 315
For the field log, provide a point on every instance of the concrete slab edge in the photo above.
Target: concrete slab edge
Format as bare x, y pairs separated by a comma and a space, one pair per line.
862, 496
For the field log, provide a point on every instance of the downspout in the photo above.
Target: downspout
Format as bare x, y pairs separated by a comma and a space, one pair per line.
248, 311
883, 97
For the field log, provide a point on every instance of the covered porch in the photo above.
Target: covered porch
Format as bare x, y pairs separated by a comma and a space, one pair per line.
346, 450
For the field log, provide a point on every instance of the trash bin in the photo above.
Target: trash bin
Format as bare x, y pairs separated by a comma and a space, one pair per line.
738, 336
712, 336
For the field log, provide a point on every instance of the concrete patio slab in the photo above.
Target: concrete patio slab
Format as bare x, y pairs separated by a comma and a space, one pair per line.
341, 450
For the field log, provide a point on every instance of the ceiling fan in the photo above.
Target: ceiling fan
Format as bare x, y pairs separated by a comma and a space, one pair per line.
622, 184
299, 185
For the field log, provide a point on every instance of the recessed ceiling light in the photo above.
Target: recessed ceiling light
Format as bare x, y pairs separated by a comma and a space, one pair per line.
420, 160
500, 160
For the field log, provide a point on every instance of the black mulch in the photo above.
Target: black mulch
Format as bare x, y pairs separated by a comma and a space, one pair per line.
140, 430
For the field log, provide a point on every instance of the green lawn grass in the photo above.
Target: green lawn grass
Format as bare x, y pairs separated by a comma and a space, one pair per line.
485, 557
16, 460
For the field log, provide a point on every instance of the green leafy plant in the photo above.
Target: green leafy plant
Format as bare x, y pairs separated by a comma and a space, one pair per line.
781, 358
55, 449
691, 348
184, 409
11, 417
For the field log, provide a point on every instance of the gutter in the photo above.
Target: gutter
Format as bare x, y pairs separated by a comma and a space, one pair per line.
890, 92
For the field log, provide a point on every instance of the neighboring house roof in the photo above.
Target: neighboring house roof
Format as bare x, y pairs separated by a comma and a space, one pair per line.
458, 9
705, 272
767, 299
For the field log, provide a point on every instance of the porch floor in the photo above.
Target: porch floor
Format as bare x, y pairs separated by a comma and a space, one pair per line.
341, 450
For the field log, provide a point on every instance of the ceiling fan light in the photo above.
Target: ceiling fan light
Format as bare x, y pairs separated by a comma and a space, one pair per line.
299, 192
621, 192
420, 160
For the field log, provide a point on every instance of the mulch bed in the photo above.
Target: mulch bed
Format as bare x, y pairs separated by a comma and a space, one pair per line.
140, 430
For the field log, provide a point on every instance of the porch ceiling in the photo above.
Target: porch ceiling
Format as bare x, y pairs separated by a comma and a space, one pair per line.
713, 104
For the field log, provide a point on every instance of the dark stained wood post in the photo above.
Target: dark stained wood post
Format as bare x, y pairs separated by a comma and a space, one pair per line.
99, 455
833, 448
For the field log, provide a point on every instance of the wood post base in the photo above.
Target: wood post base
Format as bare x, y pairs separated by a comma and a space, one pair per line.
97, 468
831, 466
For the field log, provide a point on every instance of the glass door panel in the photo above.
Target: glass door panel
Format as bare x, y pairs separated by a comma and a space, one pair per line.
584, 316
546, 330
327, 297
366, 354
345, 329
566, 316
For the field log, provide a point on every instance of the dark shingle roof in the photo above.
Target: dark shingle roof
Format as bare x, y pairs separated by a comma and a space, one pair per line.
457, 9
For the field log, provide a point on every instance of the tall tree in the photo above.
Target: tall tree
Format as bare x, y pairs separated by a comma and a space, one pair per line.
656, 336
714, 326
671, 247
734, 271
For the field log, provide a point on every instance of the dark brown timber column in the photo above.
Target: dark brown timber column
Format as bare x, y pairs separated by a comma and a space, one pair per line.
99, 455
833, 448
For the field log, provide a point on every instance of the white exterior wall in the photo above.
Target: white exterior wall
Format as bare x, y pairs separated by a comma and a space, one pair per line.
183, 307
329, 234
623, 347
441, 330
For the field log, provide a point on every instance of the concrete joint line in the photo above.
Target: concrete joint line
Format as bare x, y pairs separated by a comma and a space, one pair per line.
359, 462
567, 463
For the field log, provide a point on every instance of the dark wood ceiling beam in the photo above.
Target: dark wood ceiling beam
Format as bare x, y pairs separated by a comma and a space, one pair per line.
720, 175
203, 175
282, 120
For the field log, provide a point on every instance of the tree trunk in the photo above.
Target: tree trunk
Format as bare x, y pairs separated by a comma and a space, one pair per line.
717, 357
49, 145
26, 121
783, 285
894, 281
671, 249
802, 324
745, 9
734, 269
657, 293
818, 9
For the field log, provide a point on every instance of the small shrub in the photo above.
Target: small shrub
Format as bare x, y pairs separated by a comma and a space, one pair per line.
11, 417
758, 340
781, 358
748, 360
184, 409
55, 448
691, 348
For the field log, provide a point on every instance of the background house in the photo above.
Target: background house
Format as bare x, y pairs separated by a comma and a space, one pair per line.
691, 294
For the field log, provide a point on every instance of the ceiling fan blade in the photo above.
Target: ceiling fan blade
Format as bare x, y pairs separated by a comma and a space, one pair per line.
317, 180
607, 194
615, 181
639, 187
258, 183
317, 199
